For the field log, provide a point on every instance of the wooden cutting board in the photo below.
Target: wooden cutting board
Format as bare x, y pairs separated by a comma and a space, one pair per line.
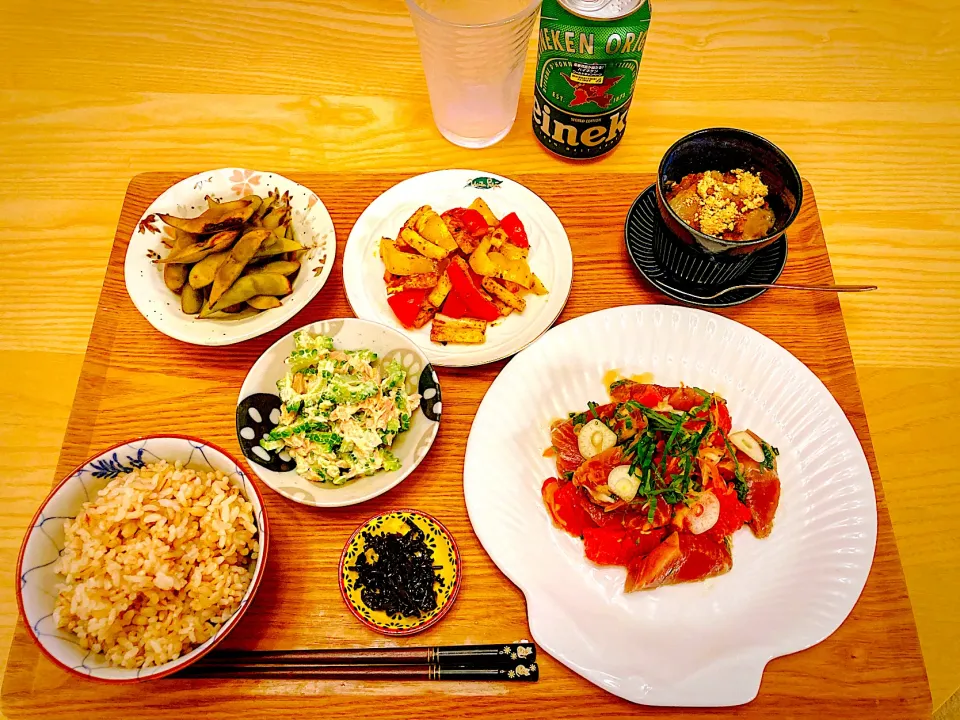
136, 381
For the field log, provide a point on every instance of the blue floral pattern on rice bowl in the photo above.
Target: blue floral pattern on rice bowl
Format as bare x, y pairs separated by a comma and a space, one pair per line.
43, 545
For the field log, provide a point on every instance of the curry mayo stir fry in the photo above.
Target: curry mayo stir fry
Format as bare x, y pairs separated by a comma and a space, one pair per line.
461, 270
341, 411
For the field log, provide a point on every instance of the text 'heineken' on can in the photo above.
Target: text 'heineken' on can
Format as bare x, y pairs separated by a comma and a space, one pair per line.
588, 57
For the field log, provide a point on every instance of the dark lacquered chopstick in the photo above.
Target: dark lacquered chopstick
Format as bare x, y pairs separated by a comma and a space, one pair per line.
520, 672
485, 656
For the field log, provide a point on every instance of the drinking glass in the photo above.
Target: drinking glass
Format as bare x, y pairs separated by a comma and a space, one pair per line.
473, 54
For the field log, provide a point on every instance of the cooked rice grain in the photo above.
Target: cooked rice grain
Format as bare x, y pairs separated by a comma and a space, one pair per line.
156, 564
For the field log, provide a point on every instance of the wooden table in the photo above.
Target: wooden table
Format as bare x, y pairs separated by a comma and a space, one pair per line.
861, 95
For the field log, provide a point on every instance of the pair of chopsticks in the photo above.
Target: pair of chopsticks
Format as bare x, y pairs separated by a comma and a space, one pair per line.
511, 662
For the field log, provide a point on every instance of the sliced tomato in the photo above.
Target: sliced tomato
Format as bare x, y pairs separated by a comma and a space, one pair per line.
563, 504
617, 545
733, 515
609, 545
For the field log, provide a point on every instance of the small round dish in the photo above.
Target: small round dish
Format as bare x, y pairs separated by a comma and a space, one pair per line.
37, 582
446, 557
644, 230
551, 258
724, 149
258, 412
693, 255
161, 307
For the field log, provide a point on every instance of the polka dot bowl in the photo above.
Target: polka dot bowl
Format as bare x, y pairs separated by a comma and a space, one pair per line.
258, 412
446, 562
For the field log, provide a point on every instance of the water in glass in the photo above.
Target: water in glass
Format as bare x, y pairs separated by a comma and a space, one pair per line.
473, 54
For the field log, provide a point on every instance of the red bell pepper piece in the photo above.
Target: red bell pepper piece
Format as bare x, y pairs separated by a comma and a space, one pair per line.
516, 233
477, 305
406, 305
475, 276
474, 222
453, 306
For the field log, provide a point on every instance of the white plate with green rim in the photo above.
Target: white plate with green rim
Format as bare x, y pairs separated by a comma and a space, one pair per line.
258, 413
550, 258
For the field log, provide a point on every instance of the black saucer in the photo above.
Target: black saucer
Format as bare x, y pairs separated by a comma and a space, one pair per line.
642, 227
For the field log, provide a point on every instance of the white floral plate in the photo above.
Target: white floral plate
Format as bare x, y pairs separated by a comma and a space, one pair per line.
695, 644
550, 258
144, 278
43, 543
258, 412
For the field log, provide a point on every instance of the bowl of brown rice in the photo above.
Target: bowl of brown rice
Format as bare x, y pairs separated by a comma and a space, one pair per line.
142, 559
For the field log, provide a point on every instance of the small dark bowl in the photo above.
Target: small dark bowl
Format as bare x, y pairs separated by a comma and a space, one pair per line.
703, 256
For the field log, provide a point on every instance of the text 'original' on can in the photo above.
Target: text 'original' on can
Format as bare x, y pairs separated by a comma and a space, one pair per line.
588, 57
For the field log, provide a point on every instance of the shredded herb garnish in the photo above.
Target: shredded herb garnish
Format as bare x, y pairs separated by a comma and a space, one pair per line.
681, 443
585, 417
770, 454
739, 482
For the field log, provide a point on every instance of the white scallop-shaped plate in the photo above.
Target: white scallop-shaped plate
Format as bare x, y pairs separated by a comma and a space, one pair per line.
550, 258
697, 644
258, 413
144, 277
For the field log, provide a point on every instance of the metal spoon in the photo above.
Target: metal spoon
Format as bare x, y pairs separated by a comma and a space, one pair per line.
770, 286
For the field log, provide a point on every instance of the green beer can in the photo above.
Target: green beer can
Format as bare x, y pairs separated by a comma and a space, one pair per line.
588, 57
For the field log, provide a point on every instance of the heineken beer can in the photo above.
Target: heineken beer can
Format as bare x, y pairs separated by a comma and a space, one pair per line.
588, 58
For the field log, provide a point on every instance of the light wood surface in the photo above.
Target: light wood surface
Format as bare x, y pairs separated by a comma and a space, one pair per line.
192, 390
863, 96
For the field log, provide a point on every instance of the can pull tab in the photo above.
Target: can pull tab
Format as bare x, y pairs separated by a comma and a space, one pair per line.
587, 5
601, 9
